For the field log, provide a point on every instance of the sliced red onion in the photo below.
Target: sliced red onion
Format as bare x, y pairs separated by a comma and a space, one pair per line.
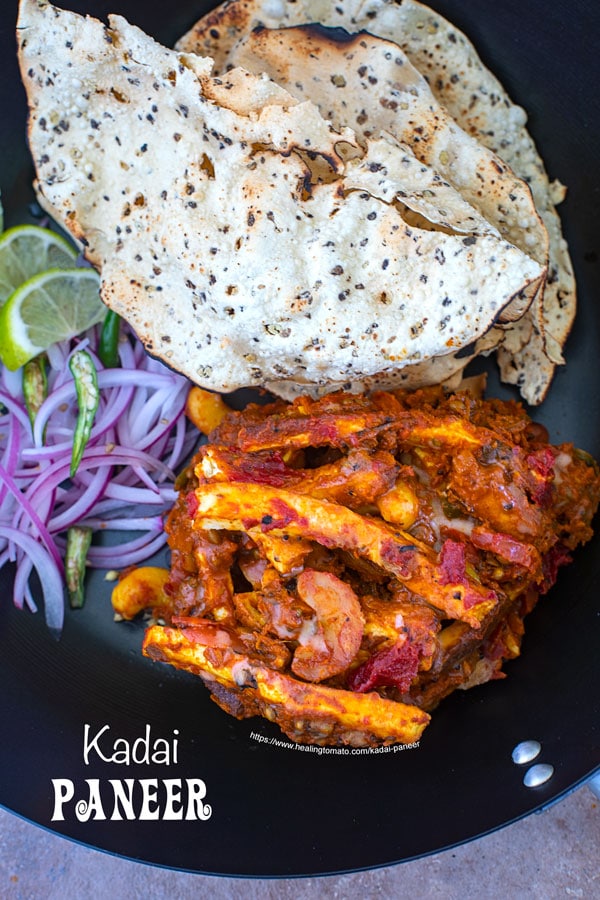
128, 494
51, 578
135, 523
122, 555
28, 510
57, 356
21, 584
125, 481
10, 457
13, 382
84, 503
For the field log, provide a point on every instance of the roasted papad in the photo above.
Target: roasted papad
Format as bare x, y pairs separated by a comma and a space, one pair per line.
530, 349
247, 240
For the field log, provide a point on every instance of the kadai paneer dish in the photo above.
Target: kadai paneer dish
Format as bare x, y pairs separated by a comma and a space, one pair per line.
341, 565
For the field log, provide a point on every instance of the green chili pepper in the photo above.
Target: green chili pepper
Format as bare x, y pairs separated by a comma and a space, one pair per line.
450, 510
586, 457
184, 478
108, 349
78, 544
472, 573
35, 385
84, 373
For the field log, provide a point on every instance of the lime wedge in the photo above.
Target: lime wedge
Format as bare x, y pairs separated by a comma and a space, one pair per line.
52, 306
27, 250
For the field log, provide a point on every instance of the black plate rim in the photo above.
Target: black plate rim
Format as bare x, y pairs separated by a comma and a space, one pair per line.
22, 795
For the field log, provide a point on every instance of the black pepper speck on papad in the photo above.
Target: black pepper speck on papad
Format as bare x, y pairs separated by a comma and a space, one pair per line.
530, 349
247, 239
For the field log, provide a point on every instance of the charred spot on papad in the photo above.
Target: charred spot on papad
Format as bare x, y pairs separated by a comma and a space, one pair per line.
274, 274
477, 101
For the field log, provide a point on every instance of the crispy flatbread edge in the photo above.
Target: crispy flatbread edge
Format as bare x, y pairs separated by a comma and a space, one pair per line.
530, 368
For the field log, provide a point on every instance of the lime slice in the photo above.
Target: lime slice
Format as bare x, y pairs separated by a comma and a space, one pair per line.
52, 306
27, 250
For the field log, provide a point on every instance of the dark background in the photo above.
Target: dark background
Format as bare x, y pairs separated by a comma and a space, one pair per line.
285, 812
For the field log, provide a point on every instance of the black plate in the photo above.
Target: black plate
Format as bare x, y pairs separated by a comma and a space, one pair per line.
281, 811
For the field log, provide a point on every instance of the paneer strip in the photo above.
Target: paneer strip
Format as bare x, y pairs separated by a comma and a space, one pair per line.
324, 430
447, 432
354, 480
216, 462
413, 428
286, 556
259, 508
301, 710
502, 487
